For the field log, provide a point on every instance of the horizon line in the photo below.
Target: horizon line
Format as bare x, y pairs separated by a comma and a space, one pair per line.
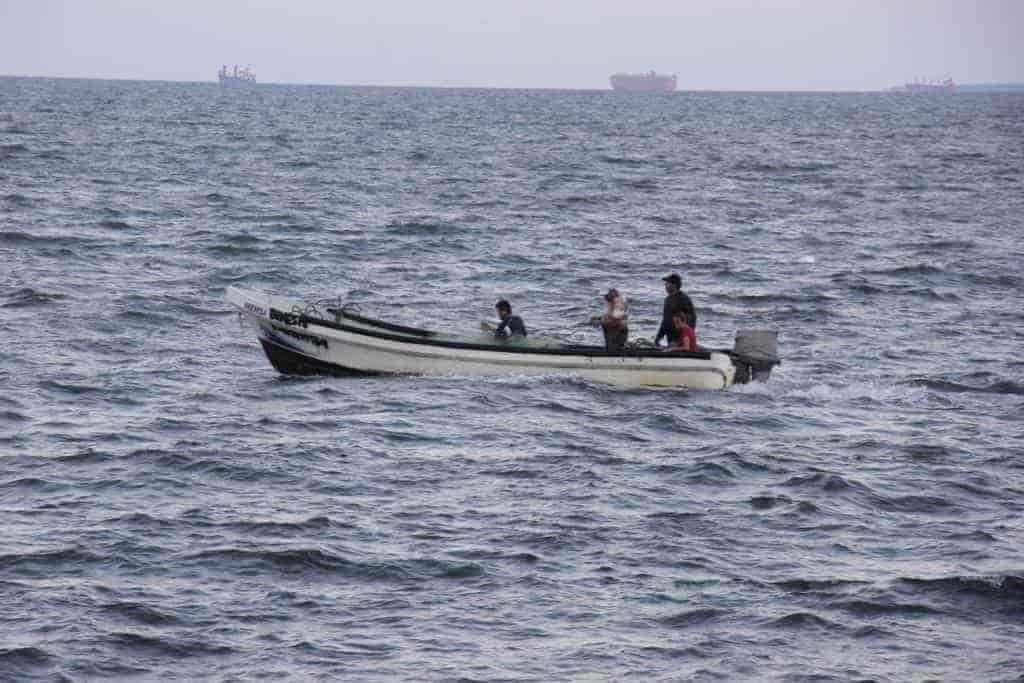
468, 86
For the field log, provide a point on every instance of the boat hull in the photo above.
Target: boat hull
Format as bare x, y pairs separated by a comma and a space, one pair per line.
302, 344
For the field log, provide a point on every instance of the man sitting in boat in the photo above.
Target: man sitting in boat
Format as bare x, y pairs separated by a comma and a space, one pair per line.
687, 337
615, 321
675, 302
511, 325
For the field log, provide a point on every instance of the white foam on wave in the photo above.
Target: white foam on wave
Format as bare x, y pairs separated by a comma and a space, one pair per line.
838, 391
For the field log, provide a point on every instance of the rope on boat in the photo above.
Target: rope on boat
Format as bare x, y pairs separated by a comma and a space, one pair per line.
330, 305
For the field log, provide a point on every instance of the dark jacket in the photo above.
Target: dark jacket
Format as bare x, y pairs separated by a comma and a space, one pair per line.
675, 302
514, 325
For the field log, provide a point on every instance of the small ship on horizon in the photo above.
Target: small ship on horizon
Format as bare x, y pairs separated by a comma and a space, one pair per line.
237, 76
926, 85
648, 82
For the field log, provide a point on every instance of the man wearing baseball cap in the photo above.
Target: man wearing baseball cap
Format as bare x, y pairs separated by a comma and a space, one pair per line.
675, 301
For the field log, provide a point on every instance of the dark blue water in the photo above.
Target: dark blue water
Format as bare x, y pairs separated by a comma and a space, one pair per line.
172, 508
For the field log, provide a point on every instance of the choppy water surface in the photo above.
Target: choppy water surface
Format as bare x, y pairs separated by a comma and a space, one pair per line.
173, 508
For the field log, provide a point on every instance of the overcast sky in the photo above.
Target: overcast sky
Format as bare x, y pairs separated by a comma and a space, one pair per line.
731, 45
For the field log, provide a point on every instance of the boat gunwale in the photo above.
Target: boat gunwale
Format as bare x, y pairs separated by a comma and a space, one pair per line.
566, 350
363, 320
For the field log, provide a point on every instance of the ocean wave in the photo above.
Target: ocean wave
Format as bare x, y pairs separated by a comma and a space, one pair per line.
316, 524
595, 199
32, 484
768, 502
515, 473
50, 561
138, 612
866, 392
51, 155
914, 270
694, 618
299, 163
115, 225
26, 296
672, 523
962, 156
820, 587
525, 557
143, 521
804, 621
642, 184
69, 388
422, 226
347, 649
825, 481
782, 298
19, 200
27, 656
134, 644
995, 280
1002, 593
302, 561
233, 249
87, 456
11, 150
17, 237
979, 383
223, 468
622, 161
709, 474
875, 608
920, 504
927, 452
808, 167
23, 663
11, 416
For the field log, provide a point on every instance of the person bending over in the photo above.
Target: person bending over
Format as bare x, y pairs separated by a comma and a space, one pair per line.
615, 321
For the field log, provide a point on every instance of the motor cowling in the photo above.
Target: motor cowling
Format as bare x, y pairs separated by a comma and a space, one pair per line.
755, 353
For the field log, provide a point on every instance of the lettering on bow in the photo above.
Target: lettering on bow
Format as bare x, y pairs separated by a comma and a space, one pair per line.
288, 318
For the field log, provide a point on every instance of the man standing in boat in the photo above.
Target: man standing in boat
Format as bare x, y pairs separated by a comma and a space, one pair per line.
511, 325
675, 302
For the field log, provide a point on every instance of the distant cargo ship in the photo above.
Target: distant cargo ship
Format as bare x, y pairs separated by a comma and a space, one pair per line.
236, 76
647, 82
925, 85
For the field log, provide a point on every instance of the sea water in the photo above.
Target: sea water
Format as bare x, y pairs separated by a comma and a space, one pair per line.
173, 508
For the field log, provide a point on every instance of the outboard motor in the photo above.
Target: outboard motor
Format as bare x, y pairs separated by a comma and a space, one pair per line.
754, 354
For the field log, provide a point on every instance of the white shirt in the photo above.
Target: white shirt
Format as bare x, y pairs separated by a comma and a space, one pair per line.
618, 308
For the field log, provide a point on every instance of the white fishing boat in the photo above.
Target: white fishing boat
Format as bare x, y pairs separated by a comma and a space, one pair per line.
329, 338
